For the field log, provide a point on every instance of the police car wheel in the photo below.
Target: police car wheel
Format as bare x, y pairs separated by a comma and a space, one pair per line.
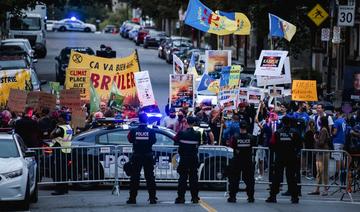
87, 29
62, 29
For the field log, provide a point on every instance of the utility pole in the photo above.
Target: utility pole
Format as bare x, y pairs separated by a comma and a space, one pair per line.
329, 52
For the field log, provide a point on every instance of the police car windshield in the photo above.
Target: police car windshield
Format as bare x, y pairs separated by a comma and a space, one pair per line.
8, 149
14, 63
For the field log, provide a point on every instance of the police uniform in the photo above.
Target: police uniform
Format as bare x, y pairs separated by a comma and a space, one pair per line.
188, 141
142, 139
242, 144
62, 138
287, 147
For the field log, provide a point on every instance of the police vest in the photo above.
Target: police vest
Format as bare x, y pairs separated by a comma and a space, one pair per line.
65, 141
285, 137
243, 143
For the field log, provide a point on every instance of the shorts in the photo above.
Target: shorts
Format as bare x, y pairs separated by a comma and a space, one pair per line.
260, 154
338, 155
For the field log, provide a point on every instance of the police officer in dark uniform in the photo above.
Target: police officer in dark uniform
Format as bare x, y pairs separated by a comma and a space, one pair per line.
188, 141
242, 143
142, 139
287, 147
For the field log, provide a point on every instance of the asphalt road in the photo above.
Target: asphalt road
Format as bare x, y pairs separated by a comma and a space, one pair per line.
158, 69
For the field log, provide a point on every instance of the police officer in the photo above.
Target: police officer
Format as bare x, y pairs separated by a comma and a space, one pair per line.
61, 137
287, 146
242, 143
188, 141
142, 139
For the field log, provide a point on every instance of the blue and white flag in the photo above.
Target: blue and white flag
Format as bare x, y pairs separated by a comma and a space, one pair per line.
205, 82
281, 28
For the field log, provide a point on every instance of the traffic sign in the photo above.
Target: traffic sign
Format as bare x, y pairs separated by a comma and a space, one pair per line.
336, 35
346, 15
318, 14
325, 34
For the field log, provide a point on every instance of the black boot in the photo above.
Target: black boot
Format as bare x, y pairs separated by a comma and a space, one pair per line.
153, 200
294, 200
251, 199
131, 201
195, 200
180, 200
231, 199
271, 199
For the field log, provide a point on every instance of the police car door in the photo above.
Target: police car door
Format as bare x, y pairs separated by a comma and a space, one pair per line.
166, 157
119, 139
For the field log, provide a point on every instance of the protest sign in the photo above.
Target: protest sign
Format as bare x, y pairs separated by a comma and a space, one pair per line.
178, 65
78, 78
304, 90
181, 90
144, 89
234, 80
254, 96
105, 71
284, 78
17, 100
270, 63
55, 87
243, 93
78, 119
13, 79
39, 100
70, 98
216, 59
276, 91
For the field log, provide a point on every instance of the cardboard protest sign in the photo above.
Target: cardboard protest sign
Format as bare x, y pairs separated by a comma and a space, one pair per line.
243, 93
78, 78
304, 90
39, 100
270, 63
283, 78
17, 100
144, 89
181, 90
78, 119
13, 79
70, 98
178, 65
216, 59
254, 96
276, 91
104, 72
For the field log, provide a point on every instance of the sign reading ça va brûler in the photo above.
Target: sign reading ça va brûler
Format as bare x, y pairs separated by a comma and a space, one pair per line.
104, 72
304, 90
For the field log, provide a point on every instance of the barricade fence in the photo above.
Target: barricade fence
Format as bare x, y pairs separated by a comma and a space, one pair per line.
89, 165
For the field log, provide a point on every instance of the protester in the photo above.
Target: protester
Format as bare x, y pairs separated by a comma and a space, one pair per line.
181, 123
170, 120
215, 123
338, 140
28, 129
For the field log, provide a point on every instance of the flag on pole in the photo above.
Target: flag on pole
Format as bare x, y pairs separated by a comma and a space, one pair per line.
94, 99
202, 18
243, 24
191, 68
116, 96
206, 80
281, 28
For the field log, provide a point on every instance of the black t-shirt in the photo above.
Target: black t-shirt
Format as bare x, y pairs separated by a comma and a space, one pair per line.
29, 131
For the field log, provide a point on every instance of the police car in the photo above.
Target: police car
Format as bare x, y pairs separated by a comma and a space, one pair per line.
213, 159
18, 180
72, 24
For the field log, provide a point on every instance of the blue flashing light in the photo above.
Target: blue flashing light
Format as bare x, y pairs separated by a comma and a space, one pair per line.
158, 115
73, 18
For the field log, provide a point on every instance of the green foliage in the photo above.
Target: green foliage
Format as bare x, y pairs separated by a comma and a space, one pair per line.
115, 18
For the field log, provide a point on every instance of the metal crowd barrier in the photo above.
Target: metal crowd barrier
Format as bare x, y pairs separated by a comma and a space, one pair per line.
86, 166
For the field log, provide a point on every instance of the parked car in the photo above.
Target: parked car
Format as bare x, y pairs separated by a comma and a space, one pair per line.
110, 29
177, 44
50, 25
23, 43
18, 171
127, 25
62, 61
154, 38
143, 31
73, 25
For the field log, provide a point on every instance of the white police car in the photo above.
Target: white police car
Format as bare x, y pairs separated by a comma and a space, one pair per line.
18, 180
72, 24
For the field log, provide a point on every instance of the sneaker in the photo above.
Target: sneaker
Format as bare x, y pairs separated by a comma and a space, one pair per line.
131, 201
251, 200
271, 200
294, 200
231, 199
259, 178
180, 200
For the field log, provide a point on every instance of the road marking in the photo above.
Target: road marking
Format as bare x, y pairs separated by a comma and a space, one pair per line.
206, 206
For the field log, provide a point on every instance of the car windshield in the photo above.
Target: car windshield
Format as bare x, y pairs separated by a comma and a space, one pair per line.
6, 64
8, 149
181, 43
27, 23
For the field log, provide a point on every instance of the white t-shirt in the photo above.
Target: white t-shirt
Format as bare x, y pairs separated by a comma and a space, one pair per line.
170, 122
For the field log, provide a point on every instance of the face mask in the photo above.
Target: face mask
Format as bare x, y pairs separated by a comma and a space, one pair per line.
172, 116
180, 117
